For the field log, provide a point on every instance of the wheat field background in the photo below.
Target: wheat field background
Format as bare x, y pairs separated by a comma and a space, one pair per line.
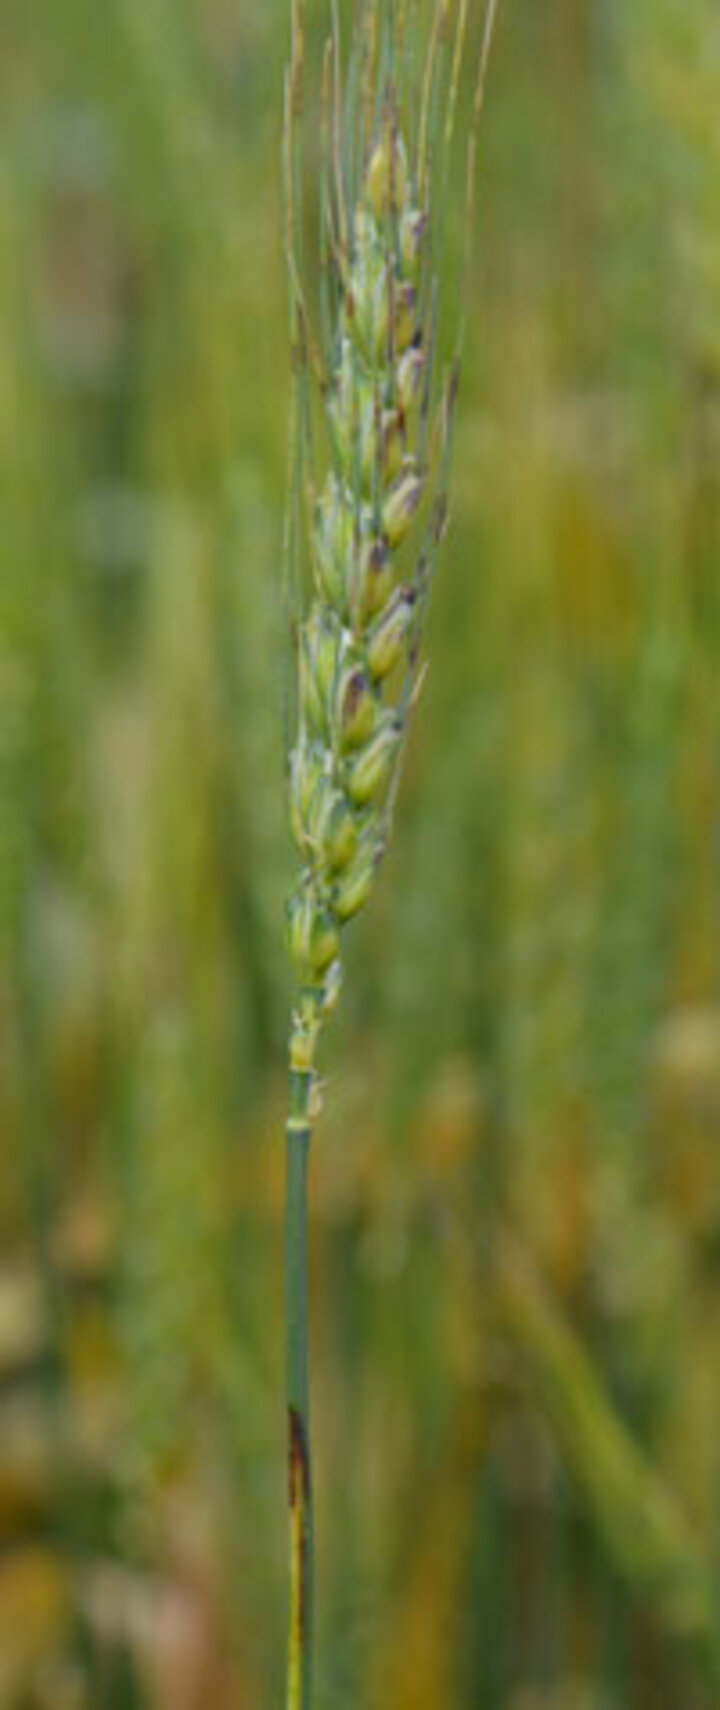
516, 1182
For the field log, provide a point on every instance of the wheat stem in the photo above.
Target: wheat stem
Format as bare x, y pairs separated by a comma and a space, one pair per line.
299, 1135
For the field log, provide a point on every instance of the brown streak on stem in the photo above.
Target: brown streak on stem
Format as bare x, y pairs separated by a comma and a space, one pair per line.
299, 1496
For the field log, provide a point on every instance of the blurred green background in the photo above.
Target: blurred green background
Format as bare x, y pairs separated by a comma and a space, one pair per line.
516, 1187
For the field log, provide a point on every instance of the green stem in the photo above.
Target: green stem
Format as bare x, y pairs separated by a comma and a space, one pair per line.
299, 1131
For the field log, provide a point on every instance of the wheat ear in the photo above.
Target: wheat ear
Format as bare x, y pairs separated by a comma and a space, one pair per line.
371, 524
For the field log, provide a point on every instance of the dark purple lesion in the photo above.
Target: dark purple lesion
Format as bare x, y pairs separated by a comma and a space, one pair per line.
299, 1495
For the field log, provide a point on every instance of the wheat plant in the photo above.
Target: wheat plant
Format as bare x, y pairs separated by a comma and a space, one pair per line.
370, 444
